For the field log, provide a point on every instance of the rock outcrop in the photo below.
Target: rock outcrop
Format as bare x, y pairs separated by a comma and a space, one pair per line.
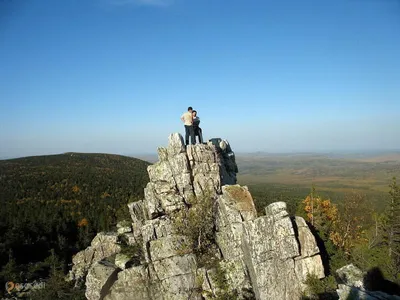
102, 246
352, 285
266, 257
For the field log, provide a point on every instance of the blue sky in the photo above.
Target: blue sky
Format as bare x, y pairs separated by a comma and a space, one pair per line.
280, 76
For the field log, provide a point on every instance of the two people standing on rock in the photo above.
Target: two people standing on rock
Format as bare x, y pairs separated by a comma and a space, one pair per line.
192, 129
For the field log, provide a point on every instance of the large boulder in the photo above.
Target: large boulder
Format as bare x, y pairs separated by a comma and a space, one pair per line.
105, 244
269, 247
100, 278
133, 284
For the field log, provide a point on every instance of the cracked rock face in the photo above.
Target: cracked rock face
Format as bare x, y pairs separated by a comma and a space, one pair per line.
99, 280
102, 246
265, 257
277, 260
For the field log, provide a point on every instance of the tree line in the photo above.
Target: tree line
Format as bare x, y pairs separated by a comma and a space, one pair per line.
352, 231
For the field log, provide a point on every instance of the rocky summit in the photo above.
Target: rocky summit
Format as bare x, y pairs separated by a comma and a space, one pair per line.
254, 257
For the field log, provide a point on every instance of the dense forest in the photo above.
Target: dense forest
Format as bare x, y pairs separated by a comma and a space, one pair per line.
52, 206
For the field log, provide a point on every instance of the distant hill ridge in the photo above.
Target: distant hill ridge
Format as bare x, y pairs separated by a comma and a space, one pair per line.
83, 176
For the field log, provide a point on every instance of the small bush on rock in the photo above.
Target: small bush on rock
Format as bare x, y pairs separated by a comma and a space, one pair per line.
222, 285
134, 251
321, 288
197, 224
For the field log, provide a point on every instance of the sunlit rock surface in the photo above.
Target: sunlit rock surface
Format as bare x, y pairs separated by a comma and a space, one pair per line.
266, 257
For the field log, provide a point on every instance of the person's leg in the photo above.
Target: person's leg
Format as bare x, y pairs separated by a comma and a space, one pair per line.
192, 135
200, 133
187, 133
195, 129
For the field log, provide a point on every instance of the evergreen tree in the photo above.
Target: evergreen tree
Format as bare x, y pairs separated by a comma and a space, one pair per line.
393, 226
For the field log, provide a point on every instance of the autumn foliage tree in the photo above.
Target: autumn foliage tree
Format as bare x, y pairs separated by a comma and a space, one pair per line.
342, 225
83, 223
321, 213
348, 229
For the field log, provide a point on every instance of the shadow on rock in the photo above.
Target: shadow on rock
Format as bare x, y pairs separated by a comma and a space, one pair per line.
322, 296
322, 249
375, 281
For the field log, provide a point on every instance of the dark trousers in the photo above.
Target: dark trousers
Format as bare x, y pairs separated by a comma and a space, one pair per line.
198, 132
189, 131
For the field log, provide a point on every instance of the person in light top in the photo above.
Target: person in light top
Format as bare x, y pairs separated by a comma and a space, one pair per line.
187, 119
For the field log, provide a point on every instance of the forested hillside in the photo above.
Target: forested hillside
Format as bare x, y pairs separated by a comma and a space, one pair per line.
52, 206
72, 176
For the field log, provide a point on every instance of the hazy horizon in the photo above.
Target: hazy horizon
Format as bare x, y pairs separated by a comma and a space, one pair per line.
114, 76
154, 155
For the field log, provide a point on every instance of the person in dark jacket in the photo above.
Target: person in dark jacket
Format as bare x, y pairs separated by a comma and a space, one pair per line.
196, 128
